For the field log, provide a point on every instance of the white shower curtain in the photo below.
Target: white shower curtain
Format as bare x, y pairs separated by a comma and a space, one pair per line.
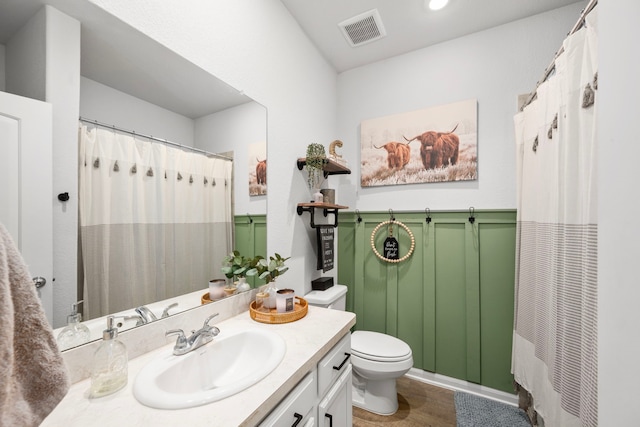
555, 338
155, 221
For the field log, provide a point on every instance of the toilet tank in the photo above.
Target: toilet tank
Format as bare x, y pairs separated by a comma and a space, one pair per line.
334, 298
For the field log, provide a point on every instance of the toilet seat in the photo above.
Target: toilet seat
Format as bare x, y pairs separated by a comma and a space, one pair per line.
379, 347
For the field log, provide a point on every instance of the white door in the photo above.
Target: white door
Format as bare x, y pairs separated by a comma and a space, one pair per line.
25, 185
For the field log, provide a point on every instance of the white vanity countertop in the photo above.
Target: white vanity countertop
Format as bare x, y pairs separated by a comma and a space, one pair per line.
307, 339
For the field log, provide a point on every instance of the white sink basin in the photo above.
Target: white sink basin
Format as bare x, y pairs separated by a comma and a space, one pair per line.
212, 372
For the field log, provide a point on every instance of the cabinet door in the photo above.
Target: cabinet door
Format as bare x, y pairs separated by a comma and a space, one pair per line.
335, 409
334, 364
297, 408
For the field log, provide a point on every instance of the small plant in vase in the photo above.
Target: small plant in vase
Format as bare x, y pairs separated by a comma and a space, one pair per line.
238, 266
269, 270
315, 160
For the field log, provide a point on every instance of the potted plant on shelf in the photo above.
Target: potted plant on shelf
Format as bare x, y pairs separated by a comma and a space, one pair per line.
236, 265
314, 165
269, 270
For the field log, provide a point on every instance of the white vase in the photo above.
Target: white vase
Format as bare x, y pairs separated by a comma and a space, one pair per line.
242, 285
270, 288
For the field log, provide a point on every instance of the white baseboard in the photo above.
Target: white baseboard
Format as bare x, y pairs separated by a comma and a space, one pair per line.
461, 385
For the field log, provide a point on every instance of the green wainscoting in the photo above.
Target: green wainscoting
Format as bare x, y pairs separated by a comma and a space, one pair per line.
451, 301
251, 239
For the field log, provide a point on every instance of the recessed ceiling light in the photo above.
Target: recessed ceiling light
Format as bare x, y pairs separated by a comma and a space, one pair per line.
436, 4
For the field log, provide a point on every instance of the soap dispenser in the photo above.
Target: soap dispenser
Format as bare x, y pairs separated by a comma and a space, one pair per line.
109, 369
75, 333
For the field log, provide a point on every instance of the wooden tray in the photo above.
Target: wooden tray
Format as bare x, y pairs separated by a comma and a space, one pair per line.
299, 311
205, 299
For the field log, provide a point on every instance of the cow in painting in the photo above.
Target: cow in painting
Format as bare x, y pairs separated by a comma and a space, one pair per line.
398, 154
261, 172
438, 149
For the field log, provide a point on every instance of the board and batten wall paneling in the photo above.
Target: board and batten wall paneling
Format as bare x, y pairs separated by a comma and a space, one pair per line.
451, 301
450, 298
497, 277
251, 239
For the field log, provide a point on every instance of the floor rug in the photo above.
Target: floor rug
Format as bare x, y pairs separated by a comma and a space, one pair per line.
475, 411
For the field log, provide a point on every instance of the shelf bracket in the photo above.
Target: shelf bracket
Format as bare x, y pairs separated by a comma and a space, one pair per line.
325, 172
325, 211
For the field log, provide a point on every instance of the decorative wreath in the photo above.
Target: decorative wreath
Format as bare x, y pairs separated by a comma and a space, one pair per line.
373, 246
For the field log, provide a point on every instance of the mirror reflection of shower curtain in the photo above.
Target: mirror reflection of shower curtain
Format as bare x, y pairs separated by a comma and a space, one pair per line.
155, 221
555, 352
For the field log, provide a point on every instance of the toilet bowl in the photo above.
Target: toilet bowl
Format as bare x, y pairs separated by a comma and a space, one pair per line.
377, 359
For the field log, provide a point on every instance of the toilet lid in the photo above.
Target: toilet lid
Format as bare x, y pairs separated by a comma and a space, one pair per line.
379, 347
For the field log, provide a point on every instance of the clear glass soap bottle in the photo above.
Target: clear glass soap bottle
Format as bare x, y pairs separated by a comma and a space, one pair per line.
109, 370
75, 333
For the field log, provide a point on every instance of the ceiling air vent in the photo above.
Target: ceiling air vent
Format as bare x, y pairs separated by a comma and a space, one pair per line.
363, 29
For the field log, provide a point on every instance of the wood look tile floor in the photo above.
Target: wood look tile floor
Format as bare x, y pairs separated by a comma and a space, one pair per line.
420, 405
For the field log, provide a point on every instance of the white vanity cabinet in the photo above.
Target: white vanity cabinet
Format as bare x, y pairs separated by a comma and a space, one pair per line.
298, 408
334, 386
323, 397
335, 409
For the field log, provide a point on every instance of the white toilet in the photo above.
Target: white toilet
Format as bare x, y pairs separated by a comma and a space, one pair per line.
377, 359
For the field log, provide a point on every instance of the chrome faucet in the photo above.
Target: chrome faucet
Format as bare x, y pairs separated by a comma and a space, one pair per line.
145, 314
165, 312
197, 339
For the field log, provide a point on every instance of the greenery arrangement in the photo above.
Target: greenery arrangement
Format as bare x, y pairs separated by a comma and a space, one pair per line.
316, 157
271, 268
237, 265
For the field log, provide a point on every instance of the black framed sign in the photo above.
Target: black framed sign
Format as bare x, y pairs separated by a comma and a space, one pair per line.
325, 236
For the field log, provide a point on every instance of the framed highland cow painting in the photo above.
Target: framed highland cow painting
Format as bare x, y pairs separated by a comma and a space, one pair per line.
258, 169
436, 144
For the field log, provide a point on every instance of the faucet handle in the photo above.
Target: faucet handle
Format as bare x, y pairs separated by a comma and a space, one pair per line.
165, 312
208, 319
181, 342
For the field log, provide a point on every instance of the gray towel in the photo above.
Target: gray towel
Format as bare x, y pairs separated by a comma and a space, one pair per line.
33, 377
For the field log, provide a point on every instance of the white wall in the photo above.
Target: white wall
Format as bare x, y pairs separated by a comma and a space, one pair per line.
63, 92
618, 235
492, 66
108, 105
233, 130
43, 62
25, 59
258, 48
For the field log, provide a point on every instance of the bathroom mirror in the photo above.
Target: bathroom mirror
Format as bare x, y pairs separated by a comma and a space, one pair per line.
116, 58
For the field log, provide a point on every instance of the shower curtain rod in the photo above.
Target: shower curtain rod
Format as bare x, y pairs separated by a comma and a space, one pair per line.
153, 138
552, 66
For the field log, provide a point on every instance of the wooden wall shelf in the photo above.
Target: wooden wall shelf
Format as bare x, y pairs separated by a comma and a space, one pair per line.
331, 167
